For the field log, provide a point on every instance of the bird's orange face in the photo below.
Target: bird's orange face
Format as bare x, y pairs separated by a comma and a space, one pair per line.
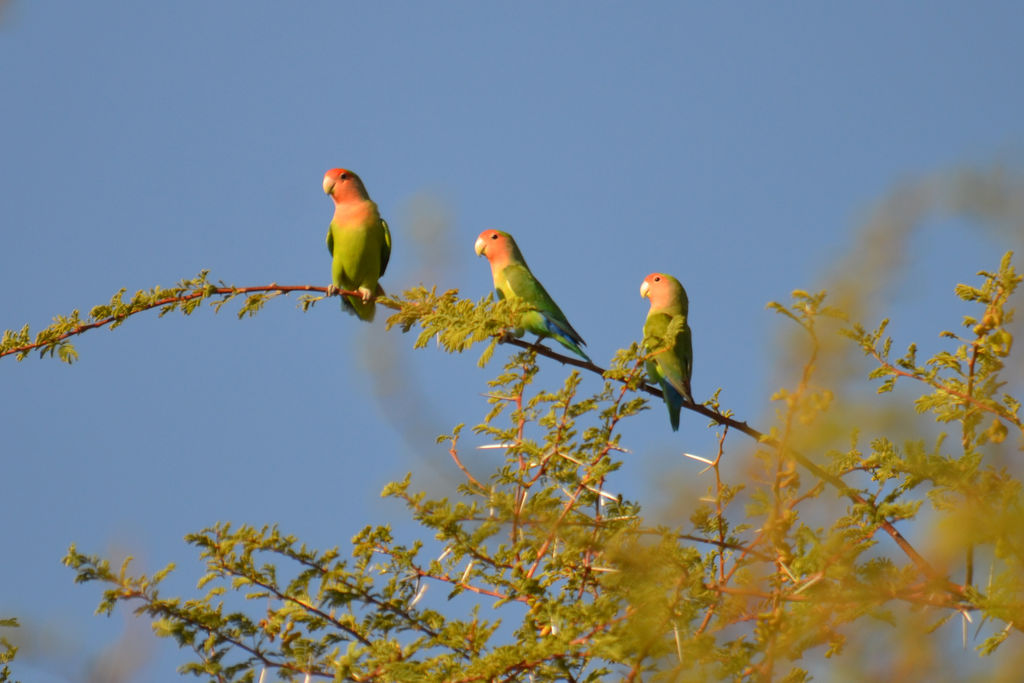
343, 185
658, 288
494, 244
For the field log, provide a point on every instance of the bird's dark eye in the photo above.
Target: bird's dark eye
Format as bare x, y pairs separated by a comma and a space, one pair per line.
494, 236
343, 176
657, 279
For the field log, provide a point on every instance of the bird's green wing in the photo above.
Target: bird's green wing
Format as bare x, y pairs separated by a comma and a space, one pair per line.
524, 285
684, 351
330, 240
385, 249
669, 337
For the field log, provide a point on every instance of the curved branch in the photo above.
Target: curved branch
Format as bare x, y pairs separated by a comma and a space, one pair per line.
175, 300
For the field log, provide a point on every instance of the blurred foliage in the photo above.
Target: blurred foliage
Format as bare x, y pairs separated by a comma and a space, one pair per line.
7, 652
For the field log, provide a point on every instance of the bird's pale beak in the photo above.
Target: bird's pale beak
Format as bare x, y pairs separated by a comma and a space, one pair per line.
328, 185
644, 289
479, 246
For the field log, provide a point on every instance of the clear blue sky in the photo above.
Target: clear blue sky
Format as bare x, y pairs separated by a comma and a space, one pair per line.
734, 145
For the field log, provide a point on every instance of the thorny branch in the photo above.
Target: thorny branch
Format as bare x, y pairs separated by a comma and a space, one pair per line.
170, 301
923, 566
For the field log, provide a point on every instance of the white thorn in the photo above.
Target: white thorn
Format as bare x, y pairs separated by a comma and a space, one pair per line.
810, 582
570, 459
697, 457
419, 594
603, 494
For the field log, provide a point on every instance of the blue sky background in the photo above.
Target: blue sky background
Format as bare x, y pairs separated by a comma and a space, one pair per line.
735, 146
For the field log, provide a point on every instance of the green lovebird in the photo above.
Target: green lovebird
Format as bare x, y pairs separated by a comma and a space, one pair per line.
359, 241
513, 279
667, 340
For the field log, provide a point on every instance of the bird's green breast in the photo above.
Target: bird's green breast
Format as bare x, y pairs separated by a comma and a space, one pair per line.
656, 326
358, 240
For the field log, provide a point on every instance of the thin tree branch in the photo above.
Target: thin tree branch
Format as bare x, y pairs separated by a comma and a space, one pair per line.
170, 300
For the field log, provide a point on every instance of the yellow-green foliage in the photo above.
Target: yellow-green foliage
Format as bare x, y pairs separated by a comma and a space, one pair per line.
808, 556
7, 652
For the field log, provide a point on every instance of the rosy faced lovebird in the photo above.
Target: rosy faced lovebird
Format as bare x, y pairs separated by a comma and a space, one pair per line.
667, 341
359, 241
513, 279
